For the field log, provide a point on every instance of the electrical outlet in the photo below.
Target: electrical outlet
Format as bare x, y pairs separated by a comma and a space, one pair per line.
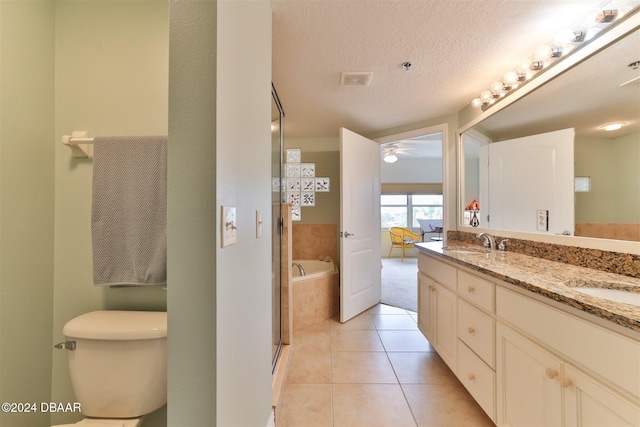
542, 220
228, 226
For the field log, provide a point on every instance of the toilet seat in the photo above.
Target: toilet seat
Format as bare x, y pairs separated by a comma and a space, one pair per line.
103, 422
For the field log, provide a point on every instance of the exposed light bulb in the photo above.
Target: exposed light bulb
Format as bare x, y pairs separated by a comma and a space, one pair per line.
511, 77
486, 95
477, 102
591, 33
497, 87
543, 52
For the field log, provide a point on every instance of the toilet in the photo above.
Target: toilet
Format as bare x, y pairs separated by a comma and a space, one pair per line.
118, 365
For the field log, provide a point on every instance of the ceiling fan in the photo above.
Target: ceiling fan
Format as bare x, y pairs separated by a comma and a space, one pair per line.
390, 152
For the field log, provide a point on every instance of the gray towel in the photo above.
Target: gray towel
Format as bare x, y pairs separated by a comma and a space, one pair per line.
129, 213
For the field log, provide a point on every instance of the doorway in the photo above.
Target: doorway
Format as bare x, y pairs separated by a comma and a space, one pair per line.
412, 197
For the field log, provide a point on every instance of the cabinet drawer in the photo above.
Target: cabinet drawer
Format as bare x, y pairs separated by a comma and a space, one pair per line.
439, 271
477, 330
478, 379
476, 290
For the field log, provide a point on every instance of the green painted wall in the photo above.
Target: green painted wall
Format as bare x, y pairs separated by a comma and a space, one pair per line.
26, 206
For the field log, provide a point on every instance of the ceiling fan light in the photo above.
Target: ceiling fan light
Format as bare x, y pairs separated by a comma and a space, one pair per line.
390, 158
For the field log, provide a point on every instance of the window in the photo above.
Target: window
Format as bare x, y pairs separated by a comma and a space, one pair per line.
393, 210
400, 210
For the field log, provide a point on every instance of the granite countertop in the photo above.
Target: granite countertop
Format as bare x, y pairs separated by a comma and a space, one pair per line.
550, 279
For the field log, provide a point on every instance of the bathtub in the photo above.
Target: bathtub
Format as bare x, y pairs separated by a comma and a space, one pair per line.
316, 295
313, 269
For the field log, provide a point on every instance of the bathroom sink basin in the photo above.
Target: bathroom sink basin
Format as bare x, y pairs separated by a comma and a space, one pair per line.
616, 292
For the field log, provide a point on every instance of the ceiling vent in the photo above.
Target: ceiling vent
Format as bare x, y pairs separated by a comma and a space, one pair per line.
355, 78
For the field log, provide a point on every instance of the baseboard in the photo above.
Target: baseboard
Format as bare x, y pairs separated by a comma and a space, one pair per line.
280, 375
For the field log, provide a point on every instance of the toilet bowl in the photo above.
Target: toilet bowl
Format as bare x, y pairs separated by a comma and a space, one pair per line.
118, 365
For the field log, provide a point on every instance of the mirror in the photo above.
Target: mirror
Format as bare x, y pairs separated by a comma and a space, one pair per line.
602, 89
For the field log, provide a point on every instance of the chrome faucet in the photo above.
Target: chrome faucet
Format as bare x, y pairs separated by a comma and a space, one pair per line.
300, 268
488, 240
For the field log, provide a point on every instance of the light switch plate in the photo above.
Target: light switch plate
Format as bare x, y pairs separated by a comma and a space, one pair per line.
228, 226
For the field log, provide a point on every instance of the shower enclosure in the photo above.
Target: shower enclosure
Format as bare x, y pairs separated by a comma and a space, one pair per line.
277, 116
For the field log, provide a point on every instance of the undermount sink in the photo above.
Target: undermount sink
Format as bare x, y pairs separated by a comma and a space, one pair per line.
616, 292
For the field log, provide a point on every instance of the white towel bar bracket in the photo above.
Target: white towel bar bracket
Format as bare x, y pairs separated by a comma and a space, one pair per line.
79, 142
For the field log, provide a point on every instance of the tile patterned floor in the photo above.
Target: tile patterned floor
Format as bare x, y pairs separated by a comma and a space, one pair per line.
374, 370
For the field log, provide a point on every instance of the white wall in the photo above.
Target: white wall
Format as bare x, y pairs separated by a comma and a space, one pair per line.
219, 133
412, 171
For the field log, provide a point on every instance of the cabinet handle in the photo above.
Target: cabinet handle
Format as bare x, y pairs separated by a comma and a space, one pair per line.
471, 377
471, 289
565, 381
551, 373
471, 330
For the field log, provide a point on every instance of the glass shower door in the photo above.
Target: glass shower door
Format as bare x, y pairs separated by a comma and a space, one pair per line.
277, 116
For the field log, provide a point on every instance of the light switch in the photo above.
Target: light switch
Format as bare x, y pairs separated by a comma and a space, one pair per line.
228, 226
258, 224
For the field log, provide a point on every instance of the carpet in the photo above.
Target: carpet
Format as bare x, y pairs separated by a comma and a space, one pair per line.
400, 283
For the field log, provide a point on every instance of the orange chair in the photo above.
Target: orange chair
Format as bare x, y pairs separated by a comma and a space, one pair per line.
402, 238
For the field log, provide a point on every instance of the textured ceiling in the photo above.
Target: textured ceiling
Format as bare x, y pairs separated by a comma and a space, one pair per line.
457, 48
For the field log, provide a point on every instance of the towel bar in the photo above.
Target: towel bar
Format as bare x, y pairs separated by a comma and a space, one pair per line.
78, 142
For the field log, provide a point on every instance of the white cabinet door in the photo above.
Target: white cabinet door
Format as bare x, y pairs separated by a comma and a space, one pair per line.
446, 329
528, 382
589, 403
426, 306
437, 318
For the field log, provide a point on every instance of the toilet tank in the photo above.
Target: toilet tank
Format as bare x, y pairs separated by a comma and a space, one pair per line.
119, 366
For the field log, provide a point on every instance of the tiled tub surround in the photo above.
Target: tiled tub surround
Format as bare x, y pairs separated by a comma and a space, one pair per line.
594, 259
551, 279
313, 241
316, 297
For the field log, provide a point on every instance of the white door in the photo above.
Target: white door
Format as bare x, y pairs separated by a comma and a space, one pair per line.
360, 255
532, 185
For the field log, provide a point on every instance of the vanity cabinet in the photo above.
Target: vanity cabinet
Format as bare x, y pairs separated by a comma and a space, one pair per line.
556, 369
460, 331
526, 361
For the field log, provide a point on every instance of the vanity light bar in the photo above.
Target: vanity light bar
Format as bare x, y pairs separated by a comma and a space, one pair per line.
544, 58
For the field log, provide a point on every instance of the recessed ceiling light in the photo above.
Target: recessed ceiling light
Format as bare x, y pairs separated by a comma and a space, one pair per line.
612, 126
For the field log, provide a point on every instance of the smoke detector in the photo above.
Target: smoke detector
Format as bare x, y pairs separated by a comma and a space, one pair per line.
355, 78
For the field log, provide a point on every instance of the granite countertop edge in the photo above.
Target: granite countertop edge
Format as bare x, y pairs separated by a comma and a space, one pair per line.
549, 279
